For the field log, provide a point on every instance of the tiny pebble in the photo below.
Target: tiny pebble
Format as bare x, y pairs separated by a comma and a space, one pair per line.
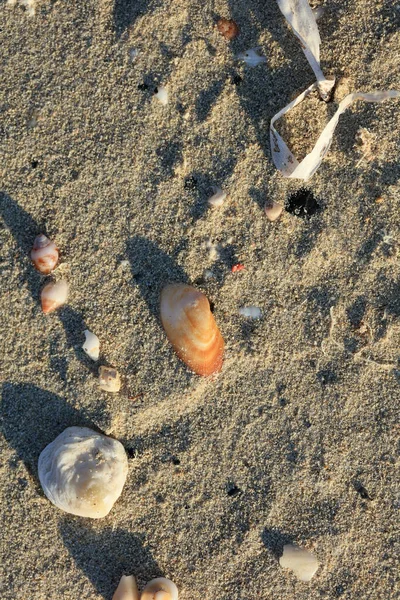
253, 312
238, 267
273, 211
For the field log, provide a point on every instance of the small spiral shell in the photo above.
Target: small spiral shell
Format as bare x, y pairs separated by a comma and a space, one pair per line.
160, 589
54, 294
44, 254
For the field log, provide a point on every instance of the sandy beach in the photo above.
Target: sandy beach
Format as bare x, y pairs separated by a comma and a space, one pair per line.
296, 439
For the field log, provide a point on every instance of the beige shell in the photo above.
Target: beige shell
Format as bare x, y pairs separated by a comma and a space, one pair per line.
127, 589
302, 562
54, 295
83, 472
273, 211
44, 254
91, 345
109, 379
160, 589
191, 328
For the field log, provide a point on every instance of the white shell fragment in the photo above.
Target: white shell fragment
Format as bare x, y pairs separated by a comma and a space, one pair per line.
127, 589
109, 379
303, 22
302, 562
251, 57
252, 312
54, 295
283, 158
218, 198
91, 345
160, 589
83, 472
161, 94
273, 211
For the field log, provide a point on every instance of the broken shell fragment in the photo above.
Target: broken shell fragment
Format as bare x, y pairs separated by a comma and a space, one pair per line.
251, 57
91, 345
252, 312
273, 211
228, 28
127, 589
160, 589
302, 562
191, 328
83, 472
54, 295
161, 93
109, 379
44, 254
218, 197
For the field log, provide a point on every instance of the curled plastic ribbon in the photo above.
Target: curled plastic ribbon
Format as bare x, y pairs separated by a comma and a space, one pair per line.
283, 158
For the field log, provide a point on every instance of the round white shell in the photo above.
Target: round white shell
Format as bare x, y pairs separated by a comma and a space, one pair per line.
83, 472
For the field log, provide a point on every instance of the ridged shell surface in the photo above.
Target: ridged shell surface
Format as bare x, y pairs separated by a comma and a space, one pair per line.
191, 328
83, 472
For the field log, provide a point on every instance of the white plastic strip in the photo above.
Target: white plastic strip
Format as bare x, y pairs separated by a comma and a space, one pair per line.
286, 162
304, 24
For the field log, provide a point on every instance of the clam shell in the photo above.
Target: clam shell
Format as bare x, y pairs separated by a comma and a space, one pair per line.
44, 254
160, 589
54, 295
191, 328
127, 589
83, 472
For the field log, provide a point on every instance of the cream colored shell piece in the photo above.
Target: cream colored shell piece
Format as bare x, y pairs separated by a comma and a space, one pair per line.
127, 589
302, 562
160, 589
83, 472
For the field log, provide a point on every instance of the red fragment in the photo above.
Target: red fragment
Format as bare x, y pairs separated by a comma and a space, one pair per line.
238, 267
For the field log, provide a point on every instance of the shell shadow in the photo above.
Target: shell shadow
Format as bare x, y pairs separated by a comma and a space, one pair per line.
104, 556
152, 269
32, 417
274, 540
24, 230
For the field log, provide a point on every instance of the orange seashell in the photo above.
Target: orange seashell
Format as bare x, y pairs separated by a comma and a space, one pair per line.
228, 28
44, 254
54, 294
191, 328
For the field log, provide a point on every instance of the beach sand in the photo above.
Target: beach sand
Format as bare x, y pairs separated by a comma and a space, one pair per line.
296, 440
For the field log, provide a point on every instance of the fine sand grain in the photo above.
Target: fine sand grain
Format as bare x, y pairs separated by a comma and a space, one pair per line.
296, 440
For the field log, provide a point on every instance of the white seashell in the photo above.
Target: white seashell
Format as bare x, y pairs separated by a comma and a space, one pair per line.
127, 589
91, 345
273, 211
217, 199
253, 312
251, 57
161, 94
83, 472
302, 562
54, 295
44, 254
160, 589
109, 379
